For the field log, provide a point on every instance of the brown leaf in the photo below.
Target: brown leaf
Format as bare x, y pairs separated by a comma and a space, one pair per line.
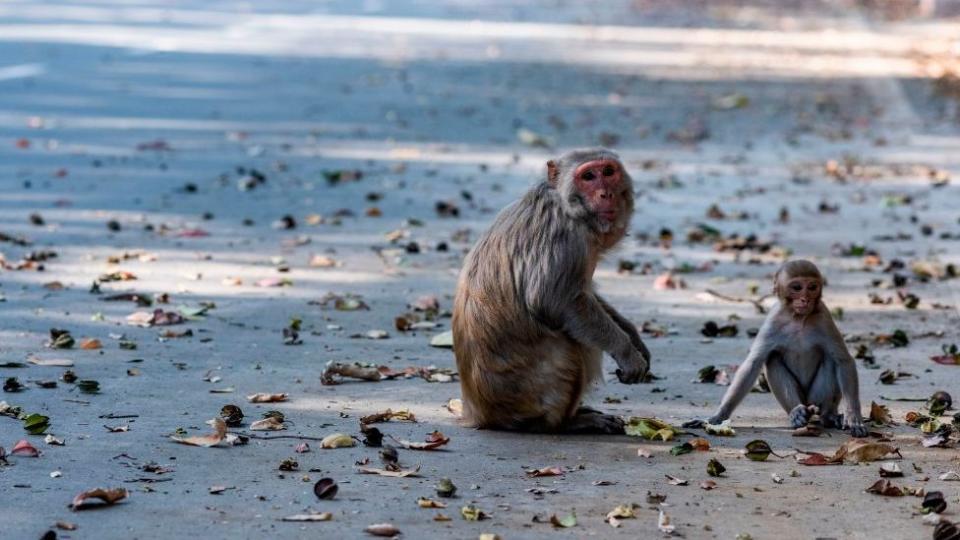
108, 496
382, 529
206, 441
388, 415
90, 344
434, 440
859, 451
545, 471
885, 488
392, 474
271, 423
699, 444
815, 459
423, 502
674, 481
880, 415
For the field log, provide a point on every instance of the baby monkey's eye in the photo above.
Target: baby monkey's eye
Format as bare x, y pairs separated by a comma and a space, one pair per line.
588, 176
796, 286
608, 170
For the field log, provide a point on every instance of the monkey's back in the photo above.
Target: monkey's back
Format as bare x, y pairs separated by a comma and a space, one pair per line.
507, 316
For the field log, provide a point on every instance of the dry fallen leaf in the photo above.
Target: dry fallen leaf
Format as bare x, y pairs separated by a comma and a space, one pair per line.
382, 529
108, 496
624, 511
90, 344
708, 485
674, 481
455, 406
663, 523
859, 451
337, 440
434, 440
388, 415
262, 397
206, 441
545, 471
392, 474
423, 502
52, 362
24, 448
271, 423
319, 516
700, 444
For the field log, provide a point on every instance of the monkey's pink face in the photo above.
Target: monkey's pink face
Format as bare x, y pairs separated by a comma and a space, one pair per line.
601, 184
802, 295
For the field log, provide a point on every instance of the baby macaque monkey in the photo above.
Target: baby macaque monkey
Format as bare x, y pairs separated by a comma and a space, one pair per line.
529, 331
802, 353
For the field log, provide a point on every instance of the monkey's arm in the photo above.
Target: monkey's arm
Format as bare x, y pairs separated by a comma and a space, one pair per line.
745, 377
626, 326
588, 322
849, 382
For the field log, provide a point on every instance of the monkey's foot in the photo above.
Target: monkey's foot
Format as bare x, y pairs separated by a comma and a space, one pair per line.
594, 422
583, 409
833, 421
801, 415
857, 430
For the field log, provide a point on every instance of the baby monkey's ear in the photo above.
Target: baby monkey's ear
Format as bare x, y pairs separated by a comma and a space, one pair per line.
553, 173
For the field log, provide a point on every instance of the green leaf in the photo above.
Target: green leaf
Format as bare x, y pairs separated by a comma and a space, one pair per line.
36, 424
681, 449
650, 428
715, 468
88, 386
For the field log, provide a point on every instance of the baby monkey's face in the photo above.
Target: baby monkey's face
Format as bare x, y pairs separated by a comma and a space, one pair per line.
802, 295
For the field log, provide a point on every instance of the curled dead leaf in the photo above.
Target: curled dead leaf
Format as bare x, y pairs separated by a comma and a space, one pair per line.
108, 496
206, 441
337, 440
271, 423
318, 516
382, 529
262, 397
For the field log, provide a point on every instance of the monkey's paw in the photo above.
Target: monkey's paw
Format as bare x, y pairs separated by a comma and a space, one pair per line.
857, 430
632, 375
715, 420
801, 414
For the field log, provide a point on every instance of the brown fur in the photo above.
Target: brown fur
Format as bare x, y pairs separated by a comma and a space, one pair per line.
529, 330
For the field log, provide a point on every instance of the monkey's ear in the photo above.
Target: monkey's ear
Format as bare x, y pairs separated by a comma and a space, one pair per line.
553, 173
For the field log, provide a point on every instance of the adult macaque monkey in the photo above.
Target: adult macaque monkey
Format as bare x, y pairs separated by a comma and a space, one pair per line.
807, 364
528, 329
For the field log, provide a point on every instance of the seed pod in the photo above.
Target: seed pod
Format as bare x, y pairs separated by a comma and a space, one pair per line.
933, 502
445, 488
758, 450
946, 531
939, 402
715, 468
325, 488
232, 415
371, 436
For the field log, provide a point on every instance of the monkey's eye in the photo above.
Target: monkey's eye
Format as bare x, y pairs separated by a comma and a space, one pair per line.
608, 170
813, 287
588, 176
796, 287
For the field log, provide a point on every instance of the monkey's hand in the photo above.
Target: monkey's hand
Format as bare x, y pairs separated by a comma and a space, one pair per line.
856, 427
801, 414
632, 367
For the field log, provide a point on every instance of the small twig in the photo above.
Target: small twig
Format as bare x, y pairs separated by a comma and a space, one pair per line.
756, 303
117, 416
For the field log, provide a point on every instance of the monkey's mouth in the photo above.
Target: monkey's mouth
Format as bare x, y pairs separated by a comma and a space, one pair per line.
608, 215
